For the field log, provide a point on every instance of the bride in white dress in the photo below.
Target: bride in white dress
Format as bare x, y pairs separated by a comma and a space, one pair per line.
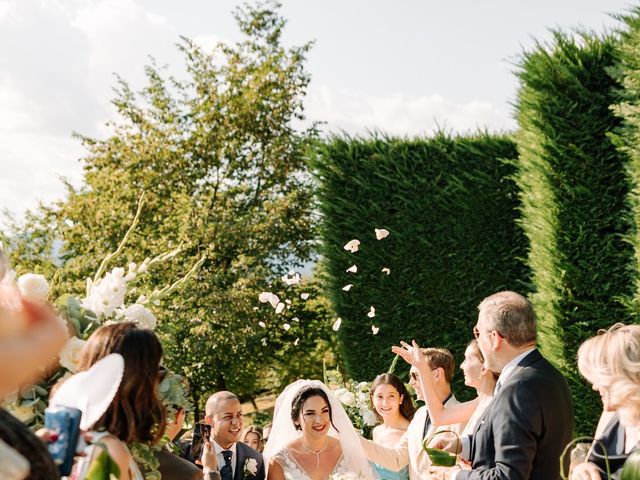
312, 437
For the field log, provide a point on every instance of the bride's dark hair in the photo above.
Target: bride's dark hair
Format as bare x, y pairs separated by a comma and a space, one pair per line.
302, 396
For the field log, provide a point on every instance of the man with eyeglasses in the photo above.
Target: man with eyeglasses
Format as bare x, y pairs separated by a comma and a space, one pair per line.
224, 457
409, 450
530, 420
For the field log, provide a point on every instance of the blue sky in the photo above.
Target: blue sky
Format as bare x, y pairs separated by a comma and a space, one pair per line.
403, 67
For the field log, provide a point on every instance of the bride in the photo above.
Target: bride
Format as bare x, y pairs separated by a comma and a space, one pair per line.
312, 437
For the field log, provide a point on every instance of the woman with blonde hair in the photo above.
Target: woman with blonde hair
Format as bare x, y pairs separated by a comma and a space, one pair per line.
252, 436
610, 361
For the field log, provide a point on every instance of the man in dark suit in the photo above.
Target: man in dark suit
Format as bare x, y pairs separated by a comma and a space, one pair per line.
173, 467
233, 459
530, 420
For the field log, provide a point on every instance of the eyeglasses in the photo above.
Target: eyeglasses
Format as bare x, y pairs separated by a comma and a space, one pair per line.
477, 332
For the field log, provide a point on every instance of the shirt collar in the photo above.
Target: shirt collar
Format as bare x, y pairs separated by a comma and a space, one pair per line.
219, 449
510, 367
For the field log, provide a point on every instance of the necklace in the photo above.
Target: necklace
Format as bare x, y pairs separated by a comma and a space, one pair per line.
317, 454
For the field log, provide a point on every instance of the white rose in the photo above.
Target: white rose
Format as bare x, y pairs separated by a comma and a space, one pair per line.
369, 417
348, 398
140, 315
251, 466
70, 354
33, 287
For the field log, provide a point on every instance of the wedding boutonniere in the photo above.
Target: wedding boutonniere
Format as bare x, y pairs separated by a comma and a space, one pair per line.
250, 467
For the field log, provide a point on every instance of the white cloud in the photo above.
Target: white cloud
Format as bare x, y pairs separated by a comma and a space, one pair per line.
397, 114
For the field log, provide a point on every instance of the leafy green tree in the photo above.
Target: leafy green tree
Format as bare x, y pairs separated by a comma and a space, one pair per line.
223, 169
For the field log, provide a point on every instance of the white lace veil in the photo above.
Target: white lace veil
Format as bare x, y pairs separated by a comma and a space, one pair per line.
283, 430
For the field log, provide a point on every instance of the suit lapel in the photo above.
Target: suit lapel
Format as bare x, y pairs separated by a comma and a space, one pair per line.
238, 474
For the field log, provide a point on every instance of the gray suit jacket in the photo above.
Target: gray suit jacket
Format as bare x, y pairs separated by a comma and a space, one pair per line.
173, 467
524, 430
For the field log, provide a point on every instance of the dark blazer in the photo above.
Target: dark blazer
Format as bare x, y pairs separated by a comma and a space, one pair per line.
525, 428
173, 467
244, 453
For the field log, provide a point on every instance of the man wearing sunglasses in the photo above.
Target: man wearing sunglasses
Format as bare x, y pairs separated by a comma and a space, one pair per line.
530, 420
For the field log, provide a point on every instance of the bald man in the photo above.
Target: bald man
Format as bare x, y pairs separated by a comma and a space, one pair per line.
233, 459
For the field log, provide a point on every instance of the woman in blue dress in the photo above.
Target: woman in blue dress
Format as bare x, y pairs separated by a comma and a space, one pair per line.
394, 407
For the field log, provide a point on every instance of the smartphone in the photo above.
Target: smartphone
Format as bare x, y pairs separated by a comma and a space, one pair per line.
201, 434
66, 422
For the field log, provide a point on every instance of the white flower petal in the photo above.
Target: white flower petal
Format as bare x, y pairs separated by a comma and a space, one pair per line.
287, 301
295, 319
346, 288
381, 233
291, 278
286, 326
372, 312
352, 246
264, 297
262, 324
352, 269
274, 300
304, 296
70, 354
374, 329
280, 307
297, 341
33, 287
336, 324
386, 270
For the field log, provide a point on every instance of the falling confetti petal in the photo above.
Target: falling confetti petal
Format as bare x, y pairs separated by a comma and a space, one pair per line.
372, 312
279, 308
264, 342
287, 301
304, 296
292, 278
295, 319
296, 342
274, 300
286, 326
255, 308
352, 269
264, 297
374, 329
336, 325
346, 288
386, 270
262, 324
352, 246
381, 233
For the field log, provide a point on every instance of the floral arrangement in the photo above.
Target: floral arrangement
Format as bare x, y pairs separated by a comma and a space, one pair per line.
355, 399
104, 302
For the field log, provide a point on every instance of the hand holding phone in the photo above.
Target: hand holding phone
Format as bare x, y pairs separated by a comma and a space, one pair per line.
65, 421
201, 434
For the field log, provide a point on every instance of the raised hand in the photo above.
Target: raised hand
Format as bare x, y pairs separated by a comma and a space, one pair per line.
411, 354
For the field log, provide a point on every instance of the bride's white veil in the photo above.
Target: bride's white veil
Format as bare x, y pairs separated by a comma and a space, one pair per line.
283, 430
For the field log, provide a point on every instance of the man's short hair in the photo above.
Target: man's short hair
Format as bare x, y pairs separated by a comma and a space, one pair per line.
512, 316
440, 358
212, 402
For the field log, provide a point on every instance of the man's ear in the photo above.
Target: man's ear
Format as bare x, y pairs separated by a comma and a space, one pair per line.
208, 420
497, 340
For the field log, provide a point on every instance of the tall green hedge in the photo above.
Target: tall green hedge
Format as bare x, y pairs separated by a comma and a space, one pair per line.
628, 135
450, 208
573, 189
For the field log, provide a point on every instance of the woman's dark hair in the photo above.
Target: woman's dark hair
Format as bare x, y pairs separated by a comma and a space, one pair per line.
302, 396
136, 414
407, 408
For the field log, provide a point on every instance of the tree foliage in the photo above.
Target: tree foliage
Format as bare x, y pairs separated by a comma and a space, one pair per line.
222, 166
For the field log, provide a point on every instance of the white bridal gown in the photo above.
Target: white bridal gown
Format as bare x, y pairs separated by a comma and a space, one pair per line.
294, 471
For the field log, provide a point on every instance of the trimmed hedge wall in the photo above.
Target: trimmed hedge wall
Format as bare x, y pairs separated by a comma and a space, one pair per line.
573, 189
450, 207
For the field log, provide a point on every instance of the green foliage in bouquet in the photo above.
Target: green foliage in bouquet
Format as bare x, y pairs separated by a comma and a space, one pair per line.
450, 206
355, 399
573, 189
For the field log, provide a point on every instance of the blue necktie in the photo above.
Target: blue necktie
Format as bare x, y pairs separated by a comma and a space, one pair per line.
226, 472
